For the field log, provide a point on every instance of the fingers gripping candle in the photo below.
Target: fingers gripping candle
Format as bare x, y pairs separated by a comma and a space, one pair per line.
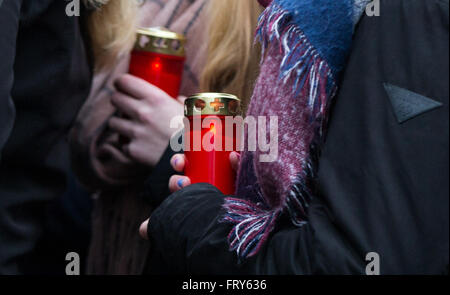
158, 57
208, 142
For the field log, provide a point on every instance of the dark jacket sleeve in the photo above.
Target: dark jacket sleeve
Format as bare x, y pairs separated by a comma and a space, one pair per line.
155, 189
9, 24
187, 236
383, 181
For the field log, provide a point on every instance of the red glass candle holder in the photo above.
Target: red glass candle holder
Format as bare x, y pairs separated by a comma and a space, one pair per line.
158, 57
207, 113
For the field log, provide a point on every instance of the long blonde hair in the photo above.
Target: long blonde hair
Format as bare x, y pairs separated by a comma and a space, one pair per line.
112, 29
233, 62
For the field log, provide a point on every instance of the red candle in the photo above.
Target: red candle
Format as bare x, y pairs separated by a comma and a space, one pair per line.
210, 163
158, 57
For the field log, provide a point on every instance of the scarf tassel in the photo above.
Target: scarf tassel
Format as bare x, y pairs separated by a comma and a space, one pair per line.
252, 226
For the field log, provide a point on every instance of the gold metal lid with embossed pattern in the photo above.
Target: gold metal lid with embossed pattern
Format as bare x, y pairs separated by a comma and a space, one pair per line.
210, 103
160, 40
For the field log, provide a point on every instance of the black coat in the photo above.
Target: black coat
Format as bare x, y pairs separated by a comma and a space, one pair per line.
45, 77
383, 174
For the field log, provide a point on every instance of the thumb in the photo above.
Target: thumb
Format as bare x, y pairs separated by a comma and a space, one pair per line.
235, 159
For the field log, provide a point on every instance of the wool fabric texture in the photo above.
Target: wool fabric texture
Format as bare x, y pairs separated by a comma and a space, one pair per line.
306, 44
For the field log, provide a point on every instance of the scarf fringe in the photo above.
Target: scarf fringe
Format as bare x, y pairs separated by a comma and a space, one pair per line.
311, 73
314, 83
301, 194
253, 226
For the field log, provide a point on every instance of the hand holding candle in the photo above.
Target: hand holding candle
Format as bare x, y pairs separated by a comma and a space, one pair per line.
145, 124
178, 182
178, 163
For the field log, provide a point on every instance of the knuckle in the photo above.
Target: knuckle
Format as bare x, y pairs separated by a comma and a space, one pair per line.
171, 188
112, 122
121, 79
139, 132
144, 115
133, 151
134, 132
114, 98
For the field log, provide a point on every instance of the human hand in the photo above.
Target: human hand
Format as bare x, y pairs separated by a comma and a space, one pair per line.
178, 162
148, 111
177, 182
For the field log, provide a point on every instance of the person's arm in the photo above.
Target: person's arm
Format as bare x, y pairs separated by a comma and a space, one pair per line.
187, 237
382, 202
122, 147
155, 189
9, 25
96, 156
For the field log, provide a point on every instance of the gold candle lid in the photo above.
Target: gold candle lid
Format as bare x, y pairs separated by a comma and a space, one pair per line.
160, 40
219, 104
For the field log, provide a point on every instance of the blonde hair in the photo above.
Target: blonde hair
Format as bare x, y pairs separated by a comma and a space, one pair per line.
233, 62
112, 29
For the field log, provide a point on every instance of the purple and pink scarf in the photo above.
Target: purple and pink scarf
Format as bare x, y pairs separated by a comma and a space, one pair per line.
306, 44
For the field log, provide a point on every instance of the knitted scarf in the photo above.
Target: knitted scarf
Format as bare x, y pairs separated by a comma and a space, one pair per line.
305, 45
